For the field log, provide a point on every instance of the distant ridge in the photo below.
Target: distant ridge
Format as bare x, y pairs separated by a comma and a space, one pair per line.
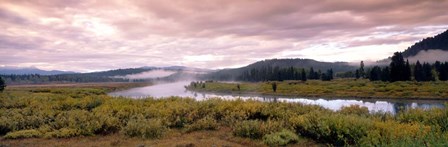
232, 74
30, 70
303, 63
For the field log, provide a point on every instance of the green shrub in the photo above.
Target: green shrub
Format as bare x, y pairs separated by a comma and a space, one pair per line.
281, 138
391, 132
256, 129
23, 134
249, 128
62, 133
333, 128
206, 123
144, 128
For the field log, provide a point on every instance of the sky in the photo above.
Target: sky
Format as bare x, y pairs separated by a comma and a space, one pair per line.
93, 35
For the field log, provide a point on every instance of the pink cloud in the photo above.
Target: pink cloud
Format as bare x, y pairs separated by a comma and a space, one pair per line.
95, 35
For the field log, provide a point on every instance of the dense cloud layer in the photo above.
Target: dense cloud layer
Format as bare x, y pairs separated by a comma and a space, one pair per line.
96, 35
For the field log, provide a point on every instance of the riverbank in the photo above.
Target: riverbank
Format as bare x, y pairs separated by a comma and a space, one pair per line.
339, 88
71, 115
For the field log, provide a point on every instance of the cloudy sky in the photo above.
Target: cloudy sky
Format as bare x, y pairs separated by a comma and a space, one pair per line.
96, 35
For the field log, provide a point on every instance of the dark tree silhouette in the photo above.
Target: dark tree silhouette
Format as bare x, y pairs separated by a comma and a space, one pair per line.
385, 74
398, 68
418, 72
362, 73
2, 84
303, 74
375, 73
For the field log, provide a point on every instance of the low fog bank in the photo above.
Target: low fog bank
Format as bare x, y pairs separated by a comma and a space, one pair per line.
430, 56
148, 75
163, 76
371, 63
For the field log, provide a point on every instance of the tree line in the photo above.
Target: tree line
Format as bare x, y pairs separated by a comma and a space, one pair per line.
103, 76
270, 73
401, 70
2, 84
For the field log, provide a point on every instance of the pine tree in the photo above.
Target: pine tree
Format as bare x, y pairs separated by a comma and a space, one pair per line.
361, 70
398, 68
407, 71
311, 74
443, 71
2, 84
427, 72
418, 72
385, 74
375, 74
303, 74
328, 76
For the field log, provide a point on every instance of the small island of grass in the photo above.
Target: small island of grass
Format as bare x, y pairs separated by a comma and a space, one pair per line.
348, 88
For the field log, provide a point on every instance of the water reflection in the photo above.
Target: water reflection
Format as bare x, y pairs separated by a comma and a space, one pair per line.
177, 89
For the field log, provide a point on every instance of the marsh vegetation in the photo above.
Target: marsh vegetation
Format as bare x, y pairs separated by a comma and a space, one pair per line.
63, 112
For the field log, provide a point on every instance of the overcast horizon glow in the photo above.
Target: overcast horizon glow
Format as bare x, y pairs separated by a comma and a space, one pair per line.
99, 35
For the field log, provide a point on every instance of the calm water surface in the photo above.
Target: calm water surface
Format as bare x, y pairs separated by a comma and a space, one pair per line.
177, 89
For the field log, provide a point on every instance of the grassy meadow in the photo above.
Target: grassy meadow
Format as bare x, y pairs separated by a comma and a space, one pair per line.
346, 88
86, 116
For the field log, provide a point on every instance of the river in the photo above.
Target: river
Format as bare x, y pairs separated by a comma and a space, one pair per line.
381, 105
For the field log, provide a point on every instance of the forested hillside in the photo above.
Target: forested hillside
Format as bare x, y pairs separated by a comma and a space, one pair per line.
439, 41
270, 69
103, 76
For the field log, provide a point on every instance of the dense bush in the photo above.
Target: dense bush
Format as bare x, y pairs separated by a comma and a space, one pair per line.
206, 123
249, 128
333, 128
281, 138
144, 128
256, 129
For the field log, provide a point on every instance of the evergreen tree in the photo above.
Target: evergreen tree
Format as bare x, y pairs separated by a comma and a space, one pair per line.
361, 70
442, 70
311, 74
407, 71
303, 74
2, 84
427, 72
418, 72
398, 68
328, 76
375, 74
385, 74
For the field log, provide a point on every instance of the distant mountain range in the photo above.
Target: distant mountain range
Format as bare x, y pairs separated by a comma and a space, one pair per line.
31, 70
114, 72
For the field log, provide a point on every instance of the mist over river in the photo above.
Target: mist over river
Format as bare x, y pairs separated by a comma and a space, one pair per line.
162, 90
